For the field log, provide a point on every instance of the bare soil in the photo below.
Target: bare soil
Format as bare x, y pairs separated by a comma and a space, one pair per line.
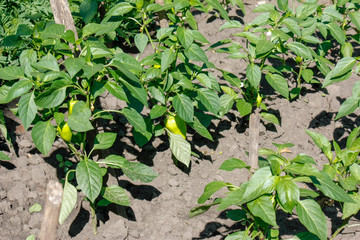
160, 209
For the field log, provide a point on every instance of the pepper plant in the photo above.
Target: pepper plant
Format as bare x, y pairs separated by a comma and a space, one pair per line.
46, 83
287, 184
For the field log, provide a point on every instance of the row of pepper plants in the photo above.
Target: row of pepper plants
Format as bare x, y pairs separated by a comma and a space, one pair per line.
58, 80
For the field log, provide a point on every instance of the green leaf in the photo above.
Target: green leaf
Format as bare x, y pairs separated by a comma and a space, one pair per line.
347, 50
352, 137
322, 142
116, 90
209, 99
53, 31
167, 57
270, 118
68, 203
234, 198
27, 57
184, 107
157, 111
195, 53
135, 119
131, 82
300, 50
210, 189
263, 208
216, 4
180, 148
236, 214
337, 32
263, 47
119, 9
4, 157
312, 217
27, 109
355, 171
24, 30
43, 135
201, 129
74, 65
11, 73
91, 70
349, 208
251, 37
138, 171
279, 83
31, 237
104, 140
89, 178
330, 189
292, 26
303, 158
304, 192
288, 193
204, 79
243, 107
253, 74
19, 88
342, 68
201, 209
116, 194
47, 62
113, 161
190, 19
157, 94
355, 19
88, 10
240, 235
283, 5
311, 39
53, 96
307, 75
266, 7
185, 37
141, 41
35, 208
226, 103
79, 119
302, 169
347, 107
128, 62
233, 163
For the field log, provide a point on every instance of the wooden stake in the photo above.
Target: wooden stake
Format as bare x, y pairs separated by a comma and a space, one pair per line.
254, 139
62, 15
162, 15
50, 221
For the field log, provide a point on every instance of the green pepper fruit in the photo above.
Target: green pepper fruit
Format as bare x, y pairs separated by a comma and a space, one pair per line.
71, 105
176, 125
65, 131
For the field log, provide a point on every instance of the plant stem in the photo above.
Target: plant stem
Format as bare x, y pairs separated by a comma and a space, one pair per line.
344, 225
93, 218
299, 75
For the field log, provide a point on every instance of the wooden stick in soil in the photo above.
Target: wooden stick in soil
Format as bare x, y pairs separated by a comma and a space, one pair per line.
62, 14
162, 15
50, 220
254, 139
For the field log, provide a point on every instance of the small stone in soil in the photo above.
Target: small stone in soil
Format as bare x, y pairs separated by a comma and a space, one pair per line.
219, 178
173, 183
25, 143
